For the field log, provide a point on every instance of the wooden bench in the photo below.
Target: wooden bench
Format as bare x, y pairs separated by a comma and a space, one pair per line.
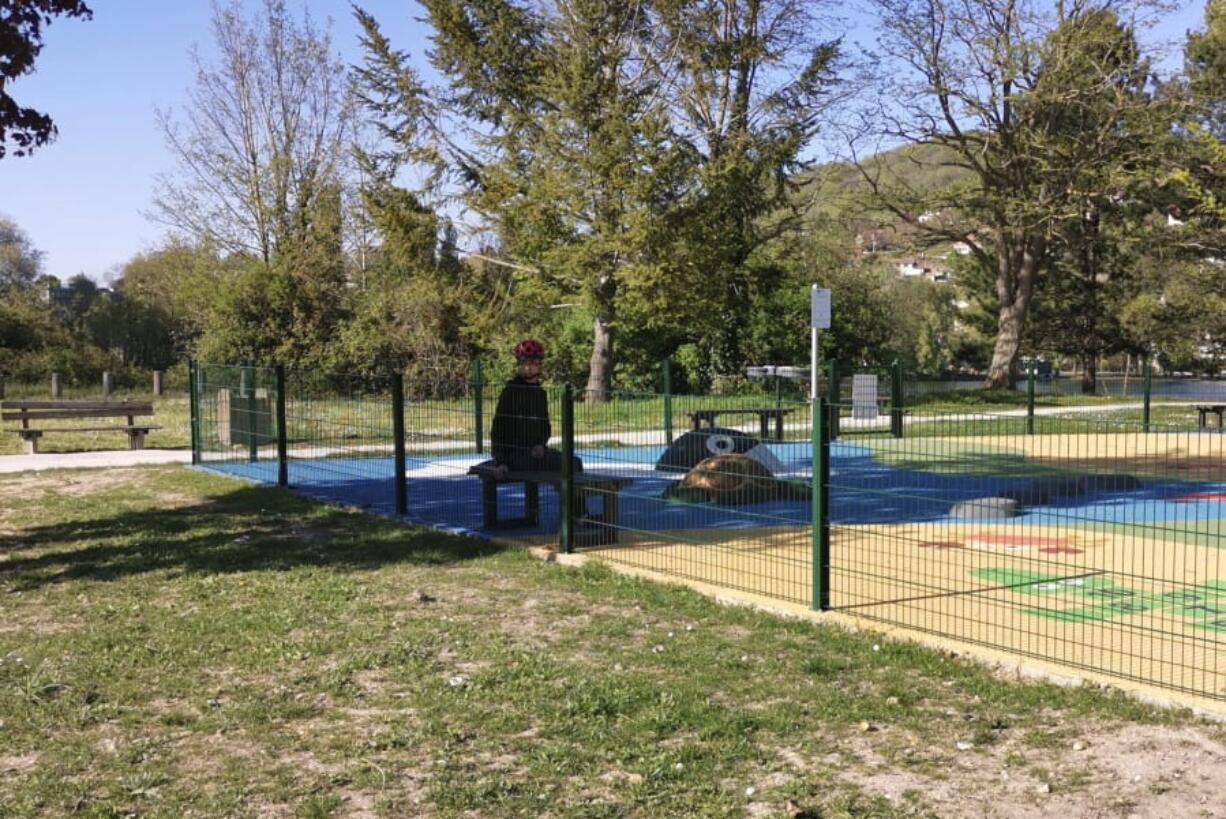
39, 412
586, 484
764, 415
1204, 411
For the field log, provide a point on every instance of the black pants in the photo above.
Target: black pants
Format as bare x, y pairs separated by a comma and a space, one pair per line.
522, 461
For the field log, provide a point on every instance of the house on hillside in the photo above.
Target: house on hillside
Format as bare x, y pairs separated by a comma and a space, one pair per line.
922, 267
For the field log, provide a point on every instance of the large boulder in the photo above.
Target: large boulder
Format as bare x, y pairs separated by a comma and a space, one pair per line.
734, 480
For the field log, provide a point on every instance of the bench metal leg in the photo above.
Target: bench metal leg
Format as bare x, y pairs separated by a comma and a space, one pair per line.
532, 503
31, 444
605, 531
489, 504
136, 439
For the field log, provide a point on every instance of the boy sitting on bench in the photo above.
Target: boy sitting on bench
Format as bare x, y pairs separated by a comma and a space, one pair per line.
520, 435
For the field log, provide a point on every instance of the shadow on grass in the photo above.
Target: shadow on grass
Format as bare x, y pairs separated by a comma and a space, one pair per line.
248, 529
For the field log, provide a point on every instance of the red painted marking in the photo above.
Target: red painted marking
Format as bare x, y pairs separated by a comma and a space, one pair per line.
1018, 540
1201, 496
941, 544
1060, 550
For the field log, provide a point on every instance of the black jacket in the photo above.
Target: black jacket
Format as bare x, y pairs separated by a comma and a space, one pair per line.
521, 420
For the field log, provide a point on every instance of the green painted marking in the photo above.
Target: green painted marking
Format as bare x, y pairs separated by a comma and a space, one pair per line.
1204, 605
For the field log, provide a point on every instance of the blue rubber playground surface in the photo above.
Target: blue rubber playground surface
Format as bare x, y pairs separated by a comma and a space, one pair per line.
863, 491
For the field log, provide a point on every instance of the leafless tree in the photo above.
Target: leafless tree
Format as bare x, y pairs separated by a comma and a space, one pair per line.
262, 136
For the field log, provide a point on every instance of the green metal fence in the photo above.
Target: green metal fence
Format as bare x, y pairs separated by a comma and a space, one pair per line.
1087, 540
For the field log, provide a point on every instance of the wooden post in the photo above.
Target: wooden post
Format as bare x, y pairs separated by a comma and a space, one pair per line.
107, 383
57, 389
157, 383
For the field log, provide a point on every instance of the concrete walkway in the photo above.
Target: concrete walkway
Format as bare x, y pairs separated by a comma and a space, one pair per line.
92, 460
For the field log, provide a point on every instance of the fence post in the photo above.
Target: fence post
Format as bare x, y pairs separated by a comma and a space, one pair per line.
896, 399
107, 383
1149, 372
401, 488
157, 383
566, 522
1030, 399
282, 436
247, 388
1, 386
820, 489
667, 388
832, 398
478, 406
57, 389
193, 399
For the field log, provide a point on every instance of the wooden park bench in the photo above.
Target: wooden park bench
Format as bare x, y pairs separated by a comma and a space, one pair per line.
697, 417
1204, 410
586, 485
33, 416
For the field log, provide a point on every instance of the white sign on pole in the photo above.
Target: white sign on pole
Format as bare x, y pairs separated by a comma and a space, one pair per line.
819, 308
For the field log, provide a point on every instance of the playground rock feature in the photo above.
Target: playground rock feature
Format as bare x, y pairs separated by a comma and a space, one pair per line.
981, 508
763, 455
734, 480
693, 447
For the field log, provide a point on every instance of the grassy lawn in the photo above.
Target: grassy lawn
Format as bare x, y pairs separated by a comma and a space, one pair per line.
173, 643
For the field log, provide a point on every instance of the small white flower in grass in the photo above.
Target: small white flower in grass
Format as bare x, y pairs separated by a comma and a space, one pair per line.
657, 649
751, 790
876, 647
965, 746
458, 681
689, 628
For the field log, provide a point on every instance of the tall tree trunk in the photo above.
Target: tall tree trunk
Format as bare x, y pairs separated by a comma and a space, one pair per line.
1017, 261
600, 366
1089, 374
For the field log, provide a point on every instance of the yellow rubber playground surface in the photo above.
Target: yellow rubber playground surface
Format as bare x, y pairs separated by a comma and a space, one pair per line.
1115, 565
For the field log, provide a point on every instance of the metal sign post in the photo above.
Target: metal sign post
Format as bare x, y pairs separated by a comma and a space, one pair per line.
819, 319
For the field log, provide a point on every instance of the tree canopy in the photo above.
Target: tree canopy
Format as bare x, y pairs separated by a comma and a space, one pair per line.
21, 41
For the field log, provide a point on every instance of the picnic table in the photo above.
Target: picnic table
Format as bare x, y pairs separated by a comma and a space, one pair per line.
765, 414
1204, 410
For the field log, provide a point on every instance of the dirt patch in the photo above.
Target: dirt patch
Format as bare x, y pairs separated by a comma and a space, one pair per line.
77, 483
19, 763
1125, 771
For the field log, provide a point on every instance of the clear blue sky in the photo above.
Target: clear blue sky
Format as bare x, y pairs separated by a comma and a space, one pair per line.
81, 199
